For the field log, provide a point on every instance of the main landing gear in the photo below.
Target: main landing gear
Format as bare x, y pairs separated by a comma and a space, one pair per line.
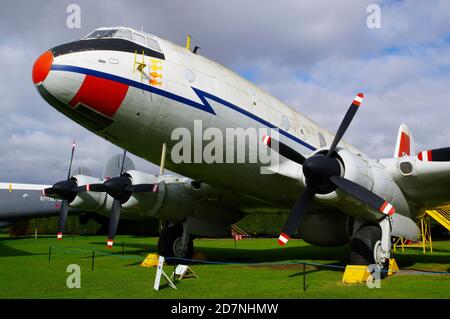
371, 244
175, 241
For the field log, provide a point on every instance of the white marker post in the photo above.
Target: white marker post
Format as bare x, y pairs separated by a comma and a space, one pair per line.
160, 272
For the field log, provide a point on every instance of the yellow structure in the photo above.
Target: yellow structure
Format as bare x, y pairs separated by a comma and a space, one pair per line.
198, 255
393, 267
441, 215
356, 273
424, 241
188, 42
150, 261
140, 66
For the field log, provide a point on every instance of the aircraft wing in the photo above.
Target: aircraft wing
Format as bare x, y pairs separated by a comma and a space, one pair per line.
424, 178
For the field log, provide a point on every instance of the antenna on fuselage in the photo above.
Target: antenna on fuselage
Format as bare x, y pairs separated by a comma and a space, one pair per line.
163, 159
188, 42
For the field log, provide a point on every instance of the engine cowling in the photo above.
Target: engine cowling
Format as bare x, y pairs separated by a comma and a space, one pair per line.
326, 228
88, 201
176, 199
370, 174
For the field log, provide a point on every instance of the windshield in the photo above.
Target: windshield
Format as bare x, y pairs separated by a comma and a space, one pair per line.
111, 33
123, 33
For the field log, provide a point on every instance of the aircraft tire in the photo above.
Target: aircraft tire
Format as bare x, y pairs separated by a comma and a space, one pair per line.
167, 241
364, 242
363, 245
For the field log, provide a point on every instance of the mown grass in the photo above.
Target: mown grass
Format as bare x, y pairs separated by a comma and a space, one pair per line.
25, 271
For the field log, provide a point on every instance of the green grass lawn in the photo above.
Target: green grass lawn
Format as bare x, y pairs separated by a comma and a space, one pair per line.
25, 271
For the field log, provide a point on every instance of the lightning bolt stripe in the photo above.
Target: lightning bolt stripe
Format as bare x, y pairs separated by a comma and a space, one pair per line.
203, 96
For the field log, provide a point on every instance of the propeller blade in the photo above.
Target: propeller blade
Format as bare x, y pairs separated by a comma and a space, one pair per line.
144, 188
113, 222
346, 121
364, 195
94, 187
284, 150
62, 217
123, 161
71, 160
436, 155
294, 218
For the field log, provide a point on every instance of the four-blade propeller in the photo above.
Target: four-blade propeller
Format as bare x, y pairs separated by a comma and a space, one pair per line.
323, 175
66, 190
120, 188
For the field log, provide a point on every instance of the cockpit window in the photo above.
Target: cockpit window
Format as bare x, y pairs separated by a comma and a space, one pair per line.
139, 38
111, 33
153, 44
124, 33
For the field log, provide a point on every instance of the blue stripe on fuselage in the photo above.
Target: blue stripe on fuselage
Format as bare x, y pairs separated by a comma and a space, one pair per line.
201, 94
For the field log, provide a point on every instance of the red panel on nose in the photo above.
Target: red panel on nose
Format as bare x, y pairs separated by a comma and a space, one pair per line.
41, 67
102, 95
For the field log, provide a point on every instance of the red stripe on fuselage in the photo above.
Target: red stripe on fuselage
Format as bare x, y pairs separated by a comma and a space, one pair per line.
103, 95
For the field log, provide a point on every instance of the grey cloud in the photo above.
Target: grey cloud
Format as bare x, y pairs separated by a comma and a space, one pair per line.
312, 54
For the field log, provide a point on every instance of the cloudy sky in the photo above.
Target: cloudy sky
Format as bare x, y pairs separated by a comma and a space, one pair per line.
313, 55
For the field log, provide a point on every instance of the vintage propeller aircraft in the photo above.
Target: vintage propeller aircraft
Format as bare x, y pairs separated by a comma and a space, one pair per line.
135, 90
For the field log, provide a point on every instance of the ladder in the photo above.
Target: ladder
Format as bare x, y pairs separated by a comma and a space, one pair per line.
238, 234
441, 215
424, 241
139, 66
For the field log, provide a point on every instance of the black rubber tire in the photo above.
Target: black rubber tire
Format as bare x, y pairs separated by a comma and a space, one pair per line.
363, 244
167, 239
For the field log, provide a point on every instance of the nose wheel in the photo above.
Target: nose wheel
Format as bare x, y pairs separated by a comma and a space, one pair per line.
175, 241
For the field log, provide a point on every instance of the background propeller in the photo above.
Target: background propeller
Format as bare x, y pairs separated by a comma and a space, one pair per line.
323, 175
65, 190
436, 155
120, 188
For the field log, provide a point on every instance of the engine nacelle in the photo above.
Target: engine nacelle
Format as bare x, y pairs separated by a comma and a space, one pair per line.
329, 229
88, 201
176, 199
139, 202
371, 175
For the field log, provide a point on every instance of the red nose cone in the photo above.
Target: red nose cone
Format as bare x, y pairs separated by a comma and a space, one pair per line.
42, 66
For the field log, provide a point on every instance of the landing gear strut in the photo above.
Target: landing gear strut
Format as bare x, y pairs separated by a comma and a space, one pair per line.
371, 244
175, 241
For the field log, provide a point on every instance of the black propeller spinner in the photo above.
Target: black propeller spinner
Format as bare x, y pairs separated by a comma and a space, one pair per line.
323, 175
66, 190
120, 188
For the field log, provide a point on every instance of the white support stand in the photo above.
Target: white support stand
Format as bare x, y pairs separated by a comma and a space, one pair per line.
160, 272
183, 271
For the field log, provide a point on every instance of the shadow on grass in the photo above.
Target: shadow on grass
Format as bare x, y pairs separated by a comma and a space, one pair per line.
138, 249
6, 251
328, 255
222, 254
404, 260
